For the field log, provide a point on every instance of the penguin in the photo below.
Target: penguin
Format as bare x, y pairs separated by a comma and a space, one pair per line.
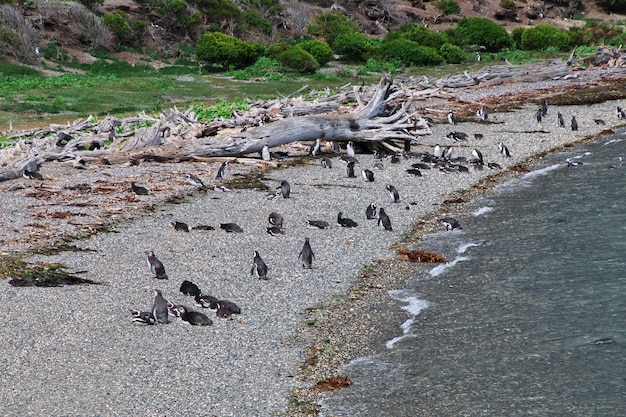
226, 308
231, 227
478, 136
478, 57
258, 266
285, 188
620, 113
482, 114
344, 221
447, 153
318, 224
159, 308
189, 288
326, 162
315, 148
393, 193
180, 227
265, 153
371, 211
420, 165
494, 165
195, 318
221, 171
572, 164
350, 170
414, 171
437, 151
156, 266
544, 108
379, 165
560, 120
347, 159
32, 175
306, 255
275, 219
350, 149
539, 115
504, 150
450, 223
273, 195
383, 219
367, 175
138, 189
195, 181
275, 230
143, 317
478, 157
451, 118
574, 123
206, 301
599, 121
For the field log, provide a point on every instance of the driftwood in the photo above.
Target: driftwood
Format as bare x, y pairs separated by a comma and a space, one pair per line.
179, 136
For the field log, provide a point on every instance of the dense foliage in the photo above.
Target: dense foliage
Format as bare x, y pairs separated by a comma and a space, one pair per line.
452, 54
353, 46
542, 37
330, 25
409, 53
298, 59
478, 31
220, 49
318, 49
420, 34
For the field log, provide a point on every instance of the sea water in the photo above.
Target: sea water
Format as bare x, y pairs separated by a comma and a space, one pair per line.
527, 317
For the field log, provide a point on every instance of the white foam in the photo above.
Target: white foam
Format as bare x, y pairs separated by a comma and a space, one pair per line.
463, 248
440, 269
413, 307
614, 140
482, 211
527, 179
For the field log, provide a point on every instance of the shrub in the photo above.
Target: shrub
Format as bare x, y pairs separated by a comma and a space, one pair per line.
18, 33
541, 37
319, 50
420, 34
254, 20
117, 23
481, 32
516, 37
217, 10
409, 53
507, 4
331, 25
219, 48
447, 7
353, 46
95, 32
298, 59
452, 53
374, 65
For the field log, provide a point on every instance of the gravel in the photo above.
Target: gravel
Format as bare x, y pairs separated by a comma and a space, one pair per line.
73, 351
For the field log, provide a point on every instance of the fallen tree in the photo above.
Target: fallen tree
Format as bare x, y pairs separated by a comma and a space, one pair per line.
175, 136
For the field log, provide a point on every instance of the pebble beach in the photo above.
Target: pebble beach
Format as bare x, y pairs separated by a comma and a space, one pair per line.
74, 351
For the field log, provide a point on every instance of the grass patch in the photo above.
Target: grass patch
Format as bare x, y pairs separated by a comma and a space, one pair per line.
40, 275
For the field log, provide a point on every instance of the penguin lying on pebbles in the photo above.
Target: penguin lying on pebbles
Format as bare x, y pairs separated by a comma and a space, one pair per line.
319, 224
143, 317
450, 223
138, 189
275, 219
206, 301
195, 318
190, 289
345, 222
226, 308
180, 227
231, 227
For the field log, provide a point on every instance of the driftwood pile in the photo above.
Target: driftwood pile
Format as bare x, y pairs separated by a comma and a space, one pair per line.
608, 56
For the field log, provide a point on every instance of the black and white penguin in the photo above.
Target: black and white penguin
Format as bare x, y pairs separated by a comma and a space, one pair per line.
599, 121
451, 118
414, 171
620, 113
350, 170
32, 175
478, 136
273, 195
159, 308
156, 266
227, 308
222, 171
494, 165
560, 120
367, 175
383, 219
574, 123
350, 149
344, 221
371, 211
285, 188
326, 162
265, 153
275, 230
482, 114
189, 288
143, 317
504, 150
318, 224
275, 219
447, 153
195, 318
572, 164
231, 227
437, 151
477, 157
206, 301
306, 255
393, 193
180, 226
539, 115
316, 147
544, 108
450, 223
420, 165
258, 266
138, 189
195, 181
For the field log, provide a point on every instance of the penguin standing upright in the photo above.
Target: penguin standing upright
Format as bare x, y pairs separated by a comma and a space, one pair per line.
285, 188
265, 153
221, 171
539, 115
560, 121
393, 193
159, 308
504, 150
306, 255
451, 118
368, 175
316, 147
350, 169
350, 149
574, 123
371, 211
258, 266
156, 266
383, 219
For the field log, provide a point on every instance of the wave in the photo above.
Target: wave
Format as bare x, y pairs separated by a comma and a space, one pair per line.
482, 211
440, 269
413, 307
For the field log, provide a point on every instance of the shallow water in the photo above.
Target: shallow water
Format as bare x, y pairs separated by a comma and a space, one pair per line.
507, 327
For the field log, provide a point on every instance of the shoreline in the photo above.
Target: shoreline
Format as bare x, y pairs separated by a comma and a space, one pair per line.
261, 351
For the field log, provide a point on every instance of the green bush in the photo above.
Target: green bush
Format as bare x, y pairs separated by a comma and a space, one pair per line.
375, 65
117, 22
353, 46
217, 10
221, 49
541, 37
331, 25
418, 33
452, 54
298, 59
516, 37
479, 31
254, 20
447, 7
319, 50
409, 53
